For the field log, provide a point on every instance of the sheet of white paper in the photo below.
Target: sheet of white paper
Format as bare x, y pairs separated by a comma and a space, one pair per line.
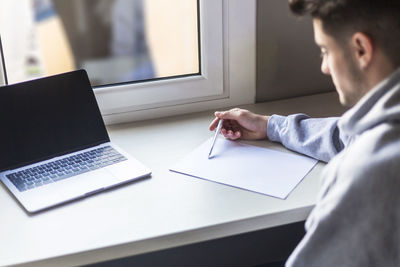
257, 169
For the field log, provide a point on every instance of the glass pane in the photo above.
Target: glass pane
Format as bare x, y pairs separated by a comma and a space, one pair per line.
116, 41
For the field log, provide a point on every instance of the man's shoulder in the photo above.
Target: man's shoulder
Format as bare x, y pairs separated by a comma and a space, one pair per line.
378, 141
366, 173
374, 152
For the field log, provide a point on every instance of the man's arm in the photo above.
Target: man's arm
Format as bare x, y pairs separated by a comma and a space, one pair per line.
317, 138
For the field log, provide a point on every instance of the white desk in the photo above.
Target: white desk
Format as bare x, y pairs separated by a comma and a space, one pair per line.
165, 211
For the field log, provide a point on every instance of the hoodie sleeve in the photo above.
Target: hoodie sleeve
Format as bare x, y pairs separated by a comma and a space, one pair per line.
317, 138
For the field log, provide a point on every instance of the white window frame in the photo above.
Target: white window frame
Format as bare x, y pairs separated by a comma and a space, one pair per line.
228, 30
228, 41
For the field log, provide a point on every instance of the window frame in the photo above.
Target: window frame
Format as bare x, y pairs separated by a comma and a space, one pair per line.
233, 24
227, 43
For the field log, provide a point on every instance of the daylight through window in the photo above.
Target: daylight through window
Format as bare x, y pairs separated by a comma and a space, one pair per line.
116, 41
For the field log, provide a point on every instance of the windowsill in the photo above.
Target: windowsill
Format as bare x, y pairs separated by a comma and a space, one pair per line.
164, 211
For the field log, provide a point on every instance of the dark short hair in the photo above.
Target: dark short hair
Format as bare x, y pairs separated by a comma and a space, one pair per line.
379, 19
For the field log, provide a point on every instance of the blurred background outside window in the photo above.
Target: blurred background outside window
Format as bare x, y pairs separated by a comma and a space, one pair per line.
116, 41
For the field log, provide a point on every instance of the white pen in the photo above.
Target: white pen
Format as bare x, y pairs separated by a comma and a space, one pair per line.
217, 131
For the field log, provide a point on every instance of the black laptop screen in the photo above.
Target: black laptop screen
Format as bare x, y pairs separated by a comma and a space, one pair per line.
48, 117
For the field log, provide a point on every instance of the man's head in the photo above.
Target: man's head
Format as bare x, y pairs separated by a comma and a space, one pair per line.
359, 41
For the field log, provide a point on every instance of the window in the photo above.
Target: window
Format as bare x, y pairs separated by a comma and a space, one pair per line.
116, 41
145, 58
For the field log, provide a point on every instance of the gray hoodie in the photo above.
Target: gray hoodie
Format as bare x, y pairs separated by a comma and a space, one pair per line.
356, 221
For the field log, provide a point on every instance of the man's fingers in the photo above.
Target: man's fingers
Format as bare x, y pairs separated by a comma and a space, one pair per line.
232, 114
213, 124
231, 128
228, 124
229, 134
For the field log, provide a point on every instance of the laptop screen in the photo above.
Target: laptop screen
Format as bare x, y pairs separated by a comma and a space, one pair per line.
48, 117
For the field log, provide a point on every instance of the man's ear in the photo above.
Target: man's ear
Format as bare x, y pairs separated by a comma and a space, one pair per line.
364, 49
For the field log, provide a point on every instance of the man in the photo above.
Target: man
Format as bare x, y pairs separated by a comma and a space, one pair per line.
356, 221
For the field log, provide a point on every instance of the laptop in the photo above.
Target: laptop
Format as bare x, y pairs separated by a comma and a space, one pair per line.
54, 146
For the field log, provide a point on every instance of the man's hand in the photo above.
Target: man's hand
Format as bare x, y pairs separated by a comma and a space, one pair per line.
241, 123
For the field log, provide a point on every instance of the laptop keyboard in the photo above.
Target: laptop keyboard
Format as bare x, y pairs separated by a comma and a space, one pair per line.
65, 168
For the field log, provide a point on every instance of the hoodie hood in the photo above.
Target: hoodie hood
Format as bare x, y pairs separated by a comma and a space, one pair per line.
380, 105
